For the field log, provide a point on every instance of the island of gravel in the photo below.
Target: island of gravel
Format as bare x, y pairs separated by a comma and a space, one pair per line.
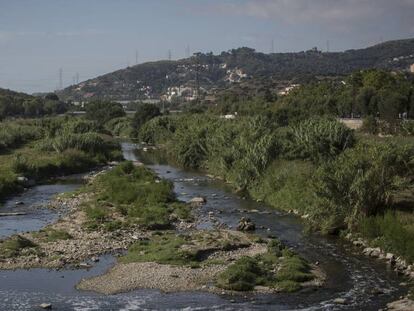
128, 211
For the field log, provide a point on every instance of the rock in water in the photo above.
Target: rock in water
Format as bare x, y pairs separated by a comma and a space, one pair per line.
198, 201
245, 224
340, 301
46, 306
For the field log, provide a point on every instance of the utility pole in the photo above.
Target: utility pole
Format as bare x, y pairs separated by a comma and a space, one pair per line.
272, 47
60, 78
327, 46
169, 54
77, 78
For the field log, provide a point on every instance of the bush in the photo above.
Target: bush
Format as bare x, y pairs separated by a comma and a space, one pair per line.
361, 182
318, 140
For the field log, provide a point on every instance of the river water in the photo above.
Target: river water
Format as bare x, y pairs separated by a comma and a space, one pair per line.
365, 283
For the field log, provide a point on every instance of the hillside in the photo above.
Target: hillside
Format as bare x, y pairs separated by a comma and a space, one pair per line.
169, 79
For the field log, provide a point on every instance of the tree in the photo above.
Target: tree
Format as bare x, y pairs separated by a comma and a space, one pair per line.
52, 96
144, 113
103, 111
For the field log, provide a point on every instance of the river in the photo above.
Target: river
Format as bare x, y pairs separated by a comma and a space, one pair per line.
366, 284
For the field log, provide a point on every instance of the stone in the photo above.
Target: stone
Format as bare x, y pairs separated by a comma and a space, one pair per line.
22, 179
198, 200
46, 306
404, 304
245, 224
367, 251
340, 301
390, 257
376, 252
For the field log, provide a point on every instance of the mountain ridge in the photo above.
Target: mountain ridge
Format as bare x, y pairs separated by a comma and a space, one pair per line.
166, 79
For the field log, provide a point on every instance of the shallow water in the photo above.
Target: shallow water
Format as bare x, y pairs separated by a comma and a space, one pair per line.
35, 202
350, 275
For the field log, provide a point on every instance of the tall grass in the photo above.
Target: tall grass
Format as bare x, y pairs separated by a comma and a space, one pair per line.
389, 232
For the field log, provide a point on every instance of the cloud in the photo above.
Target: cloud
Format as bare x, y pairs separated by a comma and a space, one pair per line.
338, 14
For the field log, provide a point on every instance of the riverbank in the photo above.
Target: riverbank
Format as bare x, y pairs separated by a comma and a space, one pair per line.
34, 150
152, 252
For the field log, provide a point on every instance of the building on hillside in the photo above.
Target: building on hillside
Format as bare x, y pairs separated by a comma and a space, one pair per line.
412, 68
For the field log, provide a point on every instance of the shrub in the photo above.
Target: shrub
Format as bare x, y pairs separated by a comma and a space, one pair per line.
241, 276
12, 246
318, 139
361, 182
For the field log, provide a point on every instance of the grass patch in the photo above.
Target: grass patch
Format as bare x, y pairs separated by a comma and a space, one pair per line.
163, 249
285, 185
393, 232
13, 246
131, 194
184, 249
51, 235
279, 268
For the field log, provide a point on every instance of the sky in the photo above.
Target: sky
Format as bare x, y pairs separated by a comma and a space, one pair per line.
93, 37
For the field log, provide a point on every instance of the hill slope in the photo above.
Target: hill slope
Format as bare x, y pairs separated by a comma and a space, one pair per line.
152, 80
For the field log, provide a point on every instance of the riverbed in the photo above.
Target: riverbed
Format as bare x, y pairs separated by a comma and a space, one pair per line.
365, 284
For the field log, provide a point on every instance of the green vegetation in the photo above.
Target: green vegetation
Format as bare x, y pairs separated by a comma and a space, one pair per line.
136, 195
279, 268
120, 127
52, 235
13, 104
294, 155
13, 246
144, 113
392, 232
186, 249
103, 111
43, 148
163, 249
